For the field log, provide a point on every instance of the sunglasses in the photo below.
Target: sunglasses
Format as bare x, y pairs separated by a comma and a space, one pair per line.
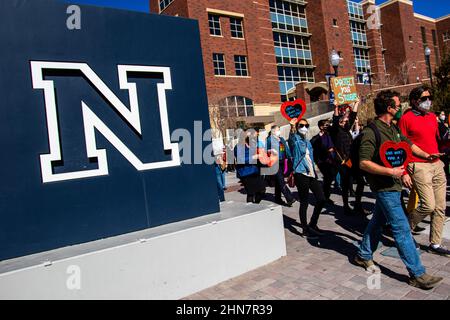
301, 125
423, 99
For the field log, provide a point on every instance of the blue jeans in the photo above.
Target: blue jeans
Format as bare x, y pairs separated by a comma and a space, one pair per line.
220, 177
388, 209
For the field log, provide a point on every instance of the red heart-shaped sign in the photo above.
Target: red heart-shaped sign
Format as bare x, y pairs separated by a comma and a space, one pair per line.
395, 154
293, 109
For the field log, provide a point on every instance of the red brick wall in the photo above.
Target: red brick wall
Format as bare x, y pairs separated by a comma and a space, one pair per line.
399, 24
325, 37
262, 84
443, 26
176, 8
420, 58
376, 51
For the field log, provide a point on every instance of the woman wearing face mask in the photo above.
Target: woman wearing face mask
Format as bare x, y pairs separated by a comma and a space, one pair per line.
305, 176
277, 143
342, 139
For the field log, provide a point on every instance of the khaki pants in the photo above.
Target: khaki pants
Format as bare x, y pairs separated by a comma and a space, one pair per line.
430, 184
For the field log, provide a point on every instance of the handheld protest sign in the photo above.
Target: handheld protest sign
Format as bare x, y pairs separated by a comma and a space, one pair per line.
293, 109
395, 154
344, 89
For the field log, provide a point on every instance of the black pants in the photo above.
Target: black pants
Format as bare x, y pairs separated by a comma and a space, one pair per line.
280, 185
254, 187
329, 173
304, 184
360, 183
346, 174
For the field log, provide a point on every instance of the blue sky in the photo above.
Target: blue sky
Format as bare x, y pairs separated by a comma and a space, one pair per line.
431, 8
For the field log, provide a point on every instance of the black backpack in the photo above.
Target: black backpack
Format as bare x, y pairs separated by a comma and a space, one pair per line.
356, 144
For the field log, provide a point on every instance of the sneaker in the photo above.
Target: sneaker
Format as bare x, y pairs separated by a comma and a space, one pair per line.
368, 265
290, 203
310, 234
425, 281
441, 250
417, 230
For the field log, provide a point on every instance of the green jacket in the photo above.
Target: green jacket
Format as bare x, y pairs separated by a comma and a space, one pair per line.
369, 151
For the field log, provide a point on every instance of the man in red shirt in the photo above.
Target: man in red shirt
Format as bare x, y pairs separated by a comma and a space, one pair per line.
420, 126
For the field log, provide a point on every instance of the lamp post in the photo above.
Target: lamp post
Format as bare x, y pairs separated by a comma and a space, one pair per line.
334, 61
369, 72
427, 58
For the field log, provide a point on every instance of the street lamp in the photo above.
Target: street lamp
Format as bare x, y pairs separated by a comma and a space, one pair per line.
369, 72
427, 57
335, 59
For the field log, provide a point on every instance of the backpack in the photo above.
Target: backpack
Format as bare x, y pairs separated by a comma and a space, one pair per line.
356, 144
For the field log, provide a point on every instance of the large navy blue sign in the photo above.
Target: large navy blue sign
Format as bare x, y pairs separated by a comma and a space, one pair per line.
86, 121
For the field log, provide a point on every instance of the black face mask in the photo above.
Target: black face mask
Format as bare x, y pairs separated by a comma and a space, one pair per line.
347, 126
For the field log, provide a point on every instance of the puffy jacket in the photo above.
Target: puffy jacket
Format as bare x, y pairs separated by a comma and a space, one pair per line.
298, 146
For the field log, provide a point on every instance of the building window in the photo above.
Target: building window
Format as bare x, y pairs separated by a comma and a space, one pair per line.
289, 76
446, 36
286, 15
433, 33
164, 4
236, 106
355, 10
358, 30
240, 63
335, 23
214, 25
219, 64
410, 39
292, 49
237, 31
424, 35
362, 62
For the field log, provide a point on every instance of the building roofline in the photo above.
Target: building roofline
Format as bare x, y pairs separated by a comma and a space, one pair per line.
395, 1
442, 18
421, 16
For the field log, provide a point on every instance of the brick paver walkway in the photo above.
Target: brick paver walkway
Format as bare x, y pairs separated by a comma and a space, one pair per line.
322, 269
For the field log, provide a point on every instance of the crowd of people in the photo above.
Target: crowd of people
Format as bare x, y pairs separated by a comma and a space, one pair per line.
344, 151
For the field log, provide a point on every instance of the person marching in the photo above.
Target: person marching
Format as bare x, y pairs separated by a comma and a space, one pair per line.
276, 142
420, 126
305, 176
386, 183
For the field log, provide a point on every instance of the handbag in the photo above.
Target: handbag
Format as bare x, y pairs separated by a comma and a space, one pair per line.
291, 178
344, 162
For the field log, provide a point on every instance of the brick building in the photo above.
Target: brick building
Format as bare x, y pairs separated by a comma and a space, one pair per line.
258, 53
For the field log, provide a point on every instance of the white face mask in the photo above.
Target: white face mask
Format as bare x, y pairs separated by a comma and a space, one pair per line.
303, 131
425, 105
442, 118
277, 133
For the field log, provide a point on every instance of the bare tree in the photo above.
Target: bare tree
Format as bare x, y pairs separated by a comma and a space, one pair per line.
220, 119
404, 71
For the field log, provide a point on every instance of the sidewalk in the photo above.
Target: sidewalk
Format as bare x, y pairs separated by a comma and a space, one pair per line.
322, 269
